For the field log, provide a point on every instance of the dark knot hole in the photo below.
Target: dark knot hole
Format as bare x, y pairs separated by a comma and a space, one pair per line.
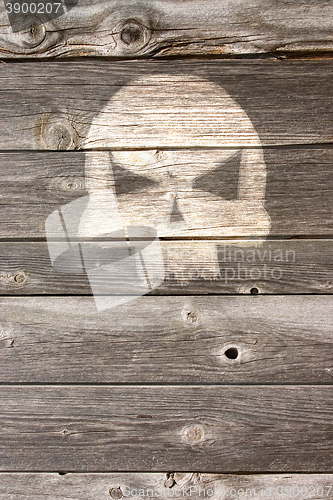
231, 353
131, 34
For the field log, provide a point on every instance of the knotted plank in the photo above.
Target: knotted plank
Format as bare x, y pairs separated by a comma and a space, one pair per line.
51, 105
157, 29
168, 340
96, 486
275, 266
297, 198
140, 428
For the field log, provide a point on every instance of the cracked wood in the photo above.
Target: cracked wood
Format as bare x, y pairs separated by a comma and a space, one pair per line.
170, 28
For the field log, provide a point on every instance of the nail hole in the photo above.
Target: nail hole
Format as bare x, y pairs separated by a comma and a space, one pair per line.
231, 353
254, 291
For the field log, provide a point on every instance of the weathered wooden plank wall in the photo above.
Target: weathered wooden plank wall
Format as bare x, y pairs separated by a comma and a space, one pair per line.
198, 384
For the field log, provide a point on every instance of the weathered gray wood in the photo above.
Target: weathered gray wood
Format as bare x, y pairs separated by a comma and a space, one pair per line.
167, 340
298, 198
30, 486
140, 428
191, 267
128, 28
51, 105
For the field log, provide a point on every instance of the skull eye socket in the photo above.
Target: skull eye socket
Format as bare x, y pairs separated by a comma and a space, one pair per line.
221, 181
126, 181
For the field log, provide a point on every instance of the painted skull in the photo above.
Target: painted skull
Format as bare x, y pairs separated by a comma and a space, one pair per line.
183, 158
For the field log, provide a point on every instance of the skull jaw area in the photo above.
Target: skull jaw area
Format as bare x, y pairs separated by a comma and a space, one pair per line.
212, 218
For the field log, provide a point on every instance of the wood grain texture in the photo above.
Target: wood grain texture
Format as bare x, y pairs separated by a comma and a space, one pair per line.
167, 340
298, 197
140, 428
90, 392
51, 105
191, 267
50, 486
167, 28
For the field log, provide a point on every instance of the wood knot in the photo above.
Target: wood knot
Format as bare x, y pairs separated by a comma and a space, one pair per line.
68, 184
235, 354
27, 39
193, 434
18, 278
184, 479
169, 482
58, 133
33, 36
191, 317
116, 493
133, 36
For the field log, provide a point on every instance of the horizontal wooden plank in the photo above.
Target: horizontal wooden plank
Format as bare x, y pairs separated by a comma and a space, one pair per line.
297, 193
191, 267
166, 28
179, 339
140, 428
51, 105
52, 486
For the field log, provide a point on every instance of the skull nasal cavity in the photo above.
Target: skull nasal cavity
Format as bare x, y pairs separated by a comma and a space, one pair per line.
176, 215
